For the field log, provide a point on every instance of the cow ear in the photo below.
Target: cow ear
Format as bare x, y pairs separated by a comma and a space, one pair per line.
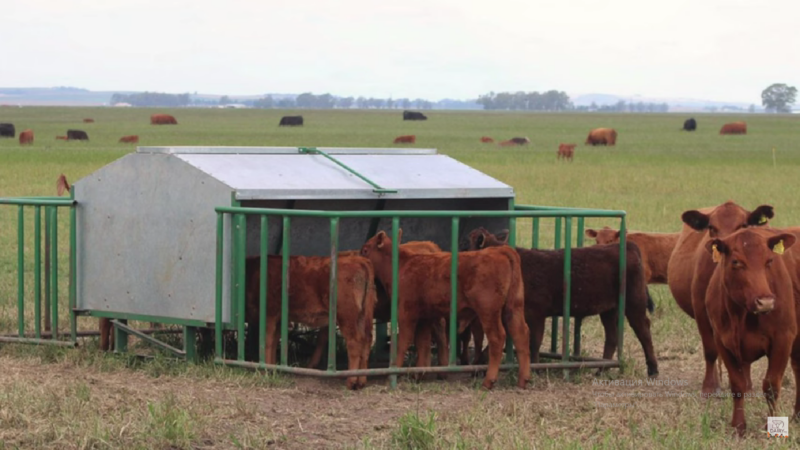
380, 238
591, 233
695, 219
716, 247
760, 216
399, 236
502, 236
781, 242
480, 241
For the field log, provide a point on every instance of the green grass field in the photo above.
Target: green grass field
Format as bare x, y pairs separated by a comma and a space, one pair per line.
655, 172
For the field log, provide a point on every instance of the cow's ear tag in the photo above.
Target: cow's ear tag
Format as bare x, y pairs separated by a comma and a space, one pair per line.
715, 256
778, 248
762, 220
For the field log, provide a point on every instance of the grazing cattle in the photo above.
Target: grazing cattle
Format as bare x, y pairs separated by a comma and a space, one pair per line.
487, 140
291, 121
602, 136
26, 137
413, 115
309, 288
61, 138
753, 312
410, 139
7, 130
515, 141
690, 267
132, 139
162, 119
595, 290
734, 128
77, 135
656, 249
383, 309
566, 151
690, 124
88, 120
489, 289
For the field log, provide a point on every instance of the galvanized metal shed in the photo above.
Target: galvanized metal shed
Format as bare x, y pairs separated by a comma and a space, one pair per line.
146, 223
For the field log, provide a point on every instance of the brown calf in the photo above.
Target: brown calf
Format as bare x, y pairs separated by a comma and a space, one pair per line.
88, 120
690, 267
487, 140
62, 138
566, 151
26, 137
752, 310
734, 128
656, 248
309, 288
594, 291
132, 139
410, 139
489, 288
515, 141
602, 136
162, 119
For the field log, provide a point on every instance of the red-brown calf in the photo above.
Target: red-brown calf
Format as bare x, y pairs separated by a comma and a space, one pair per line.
410, 139
26, 137
566, 151
656, 249
487, 140
602, 136
132, 139
734, 128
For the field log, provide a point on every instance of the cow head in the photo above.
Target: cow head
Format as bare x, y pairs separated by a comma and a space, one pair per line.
379, 244
727, 218
745, 258
481, 238
605, 236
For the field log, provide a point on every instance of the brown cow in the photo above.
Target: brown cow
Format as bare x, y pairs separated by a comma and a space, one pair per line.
132, 139
602, 136
487, 140
690, 267
62, 138
595, 290
656, 249
26, 137
566, 151
515, 141
734, 128
410, 139
162, 119
489, 288
752, 310
88, 120
309, 288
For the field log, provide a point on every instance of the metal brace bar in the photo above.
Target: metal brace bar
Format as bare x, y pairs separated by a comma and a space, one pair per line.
377, 189
150, 339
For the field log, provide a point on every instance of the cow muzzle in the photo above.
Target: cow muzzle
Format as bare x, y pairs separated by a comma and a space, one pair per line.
763, 305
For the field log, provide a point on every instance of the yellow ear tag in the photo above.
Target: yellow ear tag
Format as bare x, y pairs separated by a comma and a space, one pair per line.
762, 220
778, 247
715, 256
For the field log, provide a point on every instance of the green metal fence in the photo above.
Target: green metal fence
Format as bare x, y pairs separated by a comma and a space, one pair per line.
237, 285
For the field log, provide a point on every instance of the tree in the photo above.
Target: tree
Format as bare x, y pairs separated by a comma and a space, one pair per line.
778, 98
224, 100
751, 109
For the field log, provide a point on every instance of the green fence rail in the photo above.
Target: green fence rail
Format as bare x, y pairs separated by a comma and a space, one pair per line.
238, 215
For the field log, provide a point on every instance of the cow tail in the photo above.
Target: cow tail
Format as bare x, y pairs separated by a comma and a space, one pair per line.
369, 299
651, 306
516, 290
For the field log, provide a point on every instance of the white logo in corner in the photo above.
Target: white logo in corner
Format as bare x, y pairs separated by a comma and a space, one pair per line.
778, 427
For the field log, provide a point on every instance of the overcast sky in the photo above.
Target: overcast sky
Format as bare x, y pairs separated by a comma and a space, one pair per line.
705, 49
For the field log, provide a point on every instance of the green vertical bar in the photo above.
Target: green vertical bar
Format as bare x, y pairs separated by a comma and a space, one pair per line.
554, 329
577, 344
21, 270
54, 271
190, 343
37, 271
512, 225
567, 289
334, 290
73, 267
535, 243
218, 307
622, 283
262, 293
47, 266
241, 253
395, 269
453, 291
120, 338
285, 293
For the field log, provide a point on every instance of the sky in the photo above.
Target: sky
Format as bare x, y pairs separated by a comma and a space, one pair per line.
725, 50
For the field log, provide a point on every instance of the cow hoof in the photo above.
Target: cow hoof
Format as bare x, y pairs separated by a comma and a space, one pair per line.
523, 384
652, 370
441, 376
352, 384
488, 384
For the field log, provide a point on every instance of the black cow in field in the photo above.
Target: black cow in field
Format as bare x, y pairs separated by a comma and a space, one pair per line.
291, 121
7, 130
413, 115
690, 124
77, 135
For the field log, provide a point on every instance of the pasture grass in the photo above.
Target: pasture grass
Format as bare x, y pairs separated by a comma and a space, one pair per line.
79, 398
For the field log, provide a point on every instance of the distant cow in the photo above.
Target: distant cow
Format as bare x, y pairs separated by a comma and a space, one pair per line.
566, 151
162, 119
26, 137
61, 138
413, 115
410, 139
602, 136
88, 120
7, 130
734, 128
487, 140
77, 135
656, 249
515, 141
291, 121
132, 139
690, 124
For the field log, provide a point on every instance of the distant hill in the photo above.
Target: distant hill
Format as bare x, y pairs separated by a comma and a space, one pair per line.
65, 96
675, 104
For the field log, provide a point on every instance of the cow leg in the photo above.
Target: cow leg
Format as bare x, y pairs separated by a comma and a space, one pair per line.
711, 380
493, 327
106, 335
355, 351
520, 334
746, 373
406, 330
796, 370
422, 341
271, 343
477, 337
609, 321
738, 385
442, 346
776, 366
463, 346
576, 342
640, 323
322, 343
